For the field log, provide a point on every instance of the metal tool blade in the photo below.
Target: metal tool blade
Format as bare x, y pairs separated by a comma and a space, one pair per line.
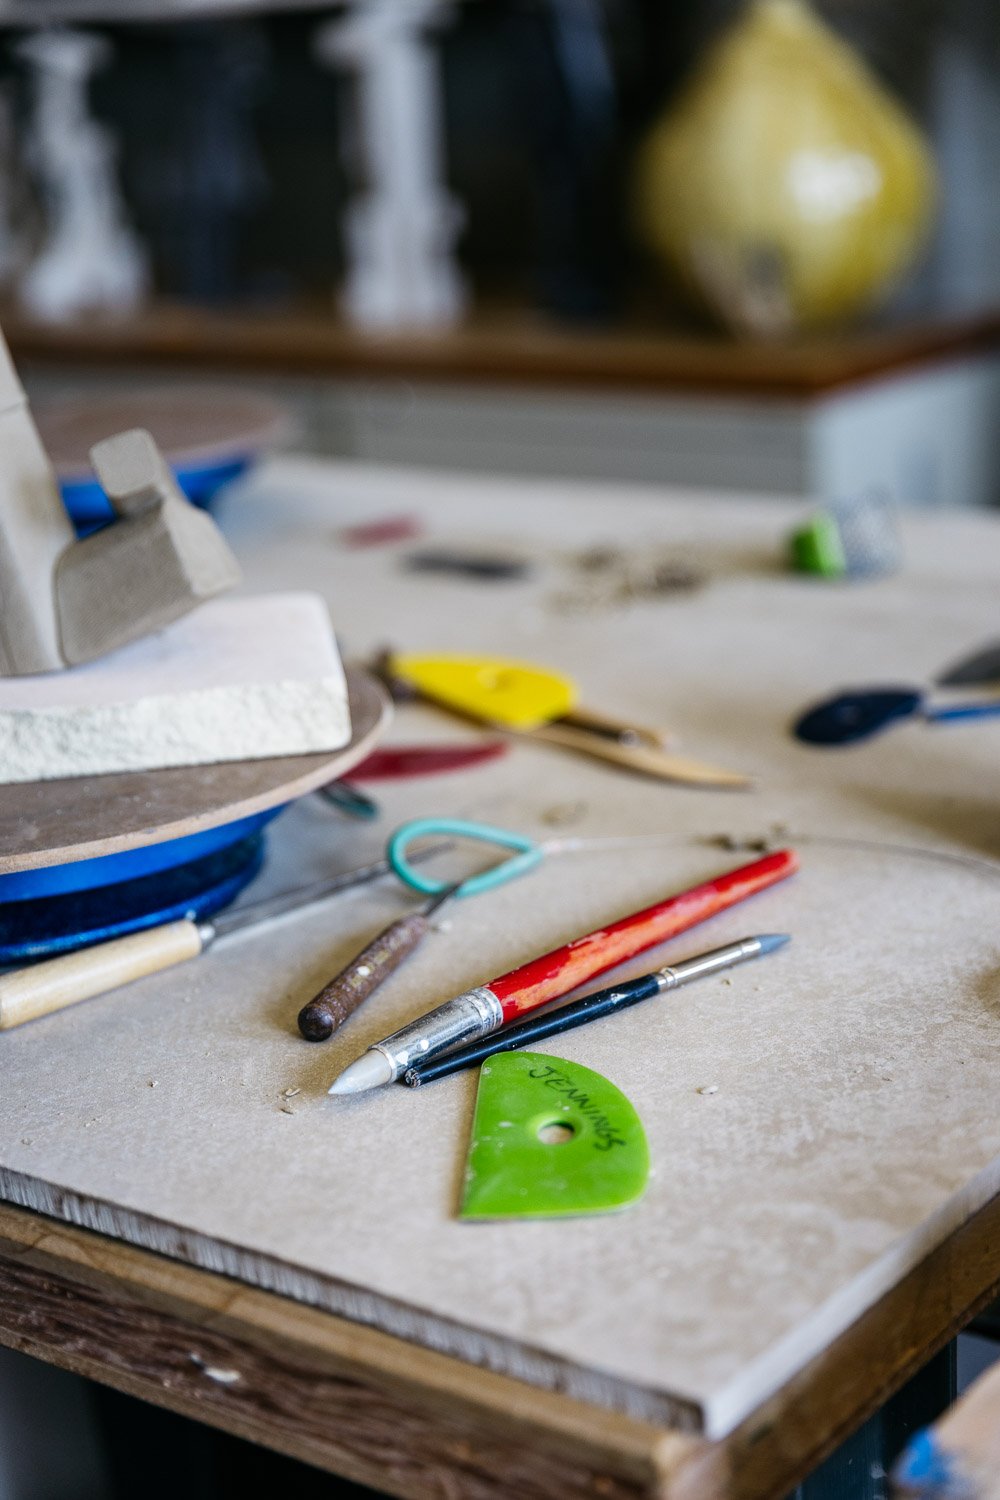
237, 918
982, 667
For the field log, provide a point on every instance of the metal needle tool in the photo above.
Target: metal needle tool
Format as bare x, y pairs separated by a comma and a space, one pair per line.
383, 955
370, 968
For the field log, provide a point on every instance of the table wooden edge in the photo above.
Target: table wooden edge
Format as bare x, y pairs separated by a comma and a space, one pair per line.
411, 1422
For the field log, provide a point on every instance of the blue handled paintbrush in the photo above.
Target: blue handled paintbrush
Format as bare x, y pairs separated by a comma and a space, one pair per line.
593, 1007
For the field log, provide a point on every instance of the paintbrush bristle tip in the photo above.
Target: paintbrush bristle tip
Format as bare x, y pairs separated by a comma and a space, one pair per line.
370, 1071
770, 940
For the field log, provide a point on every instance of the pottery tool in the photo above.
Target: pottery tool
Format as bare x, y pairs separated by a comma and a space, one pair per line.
551, 1138
477, 565
484, 1009
593, 1007
327, 1011
398, 762
858, 715
41, 989
983, 666
529, 700
347, 799
370, 968
383, 955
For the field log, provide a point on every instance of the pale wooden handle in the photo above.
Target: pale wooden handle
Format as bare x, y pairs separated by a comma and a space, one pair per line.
37, 991
640, 757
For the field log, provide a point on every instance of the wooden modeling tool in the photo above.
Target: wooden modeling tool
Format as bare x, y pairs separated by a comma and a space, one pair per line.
483, 1010
594, 1007
551, 1138
528, 700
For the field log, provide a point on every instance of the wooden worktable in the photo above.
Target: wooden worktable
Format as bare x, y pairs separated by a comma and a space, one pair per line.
815, 1227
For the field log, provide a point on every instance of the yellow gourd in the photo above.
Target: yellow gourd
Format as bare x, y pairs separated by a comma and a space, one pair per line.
784, 186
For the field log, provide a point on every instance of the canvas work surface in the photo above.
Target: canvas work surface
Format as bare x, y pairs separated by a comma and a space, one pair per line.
817, 1121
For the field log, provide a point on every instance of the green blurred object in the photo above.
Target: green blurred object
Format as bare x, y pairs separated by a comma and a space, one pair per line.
784, 186
817, 547
551, 1138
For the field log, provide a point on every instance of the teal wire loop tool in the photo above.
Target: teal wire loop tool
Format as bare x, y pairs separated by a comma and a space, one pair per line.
527, 855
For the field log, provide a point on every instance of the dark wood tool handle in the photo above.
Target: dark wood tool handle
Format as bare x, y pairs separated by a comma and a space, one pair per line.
342, 996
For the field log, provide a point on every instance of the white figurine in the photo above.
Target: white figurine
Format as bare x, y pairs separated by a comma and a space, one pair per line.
90, 258
401, 230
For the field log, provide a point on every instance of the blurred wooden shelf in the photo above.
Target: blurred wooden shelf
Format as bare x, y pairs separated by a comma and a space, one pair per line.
497, 347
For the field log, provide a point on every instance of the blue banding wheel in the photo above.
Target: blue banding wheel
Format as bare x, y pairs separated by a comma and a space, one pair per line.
131, 864
58, 924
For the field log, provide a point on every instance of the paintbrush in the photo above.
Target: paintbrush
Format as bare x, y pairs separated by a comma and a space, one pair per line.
593, 1007
483, 1010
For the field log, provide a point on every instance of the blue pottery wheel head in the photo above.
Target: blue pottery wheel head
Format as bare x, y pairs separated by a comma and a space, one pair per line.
49, 925
67, 906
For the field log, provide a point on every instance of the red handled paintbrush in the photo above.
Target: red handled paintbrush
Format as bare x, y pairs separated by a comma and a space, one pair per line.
482, 1010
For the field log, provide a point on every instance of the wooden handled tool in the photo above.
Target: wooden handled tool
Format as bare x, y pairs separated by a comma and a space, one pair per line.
363, 975
530, 701
639, 756
40, 989
26, 994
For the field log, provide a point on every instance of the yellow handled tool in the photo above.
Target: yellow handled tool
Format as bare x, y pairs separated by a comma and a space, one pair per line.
529, 700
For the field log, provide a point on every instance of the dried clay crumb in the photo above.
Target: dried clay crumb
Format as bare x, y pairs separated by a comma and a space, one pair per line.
564, 813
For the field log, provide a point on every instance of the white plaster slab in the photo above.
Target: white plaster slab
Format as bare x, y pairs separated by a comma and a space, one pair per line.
238, 679
854, 1122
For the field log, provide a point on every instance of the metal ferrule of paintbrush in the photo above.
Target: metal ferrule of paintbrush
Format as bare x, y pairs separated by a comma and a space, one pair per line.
593, 1007
706, 963
464, 1019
